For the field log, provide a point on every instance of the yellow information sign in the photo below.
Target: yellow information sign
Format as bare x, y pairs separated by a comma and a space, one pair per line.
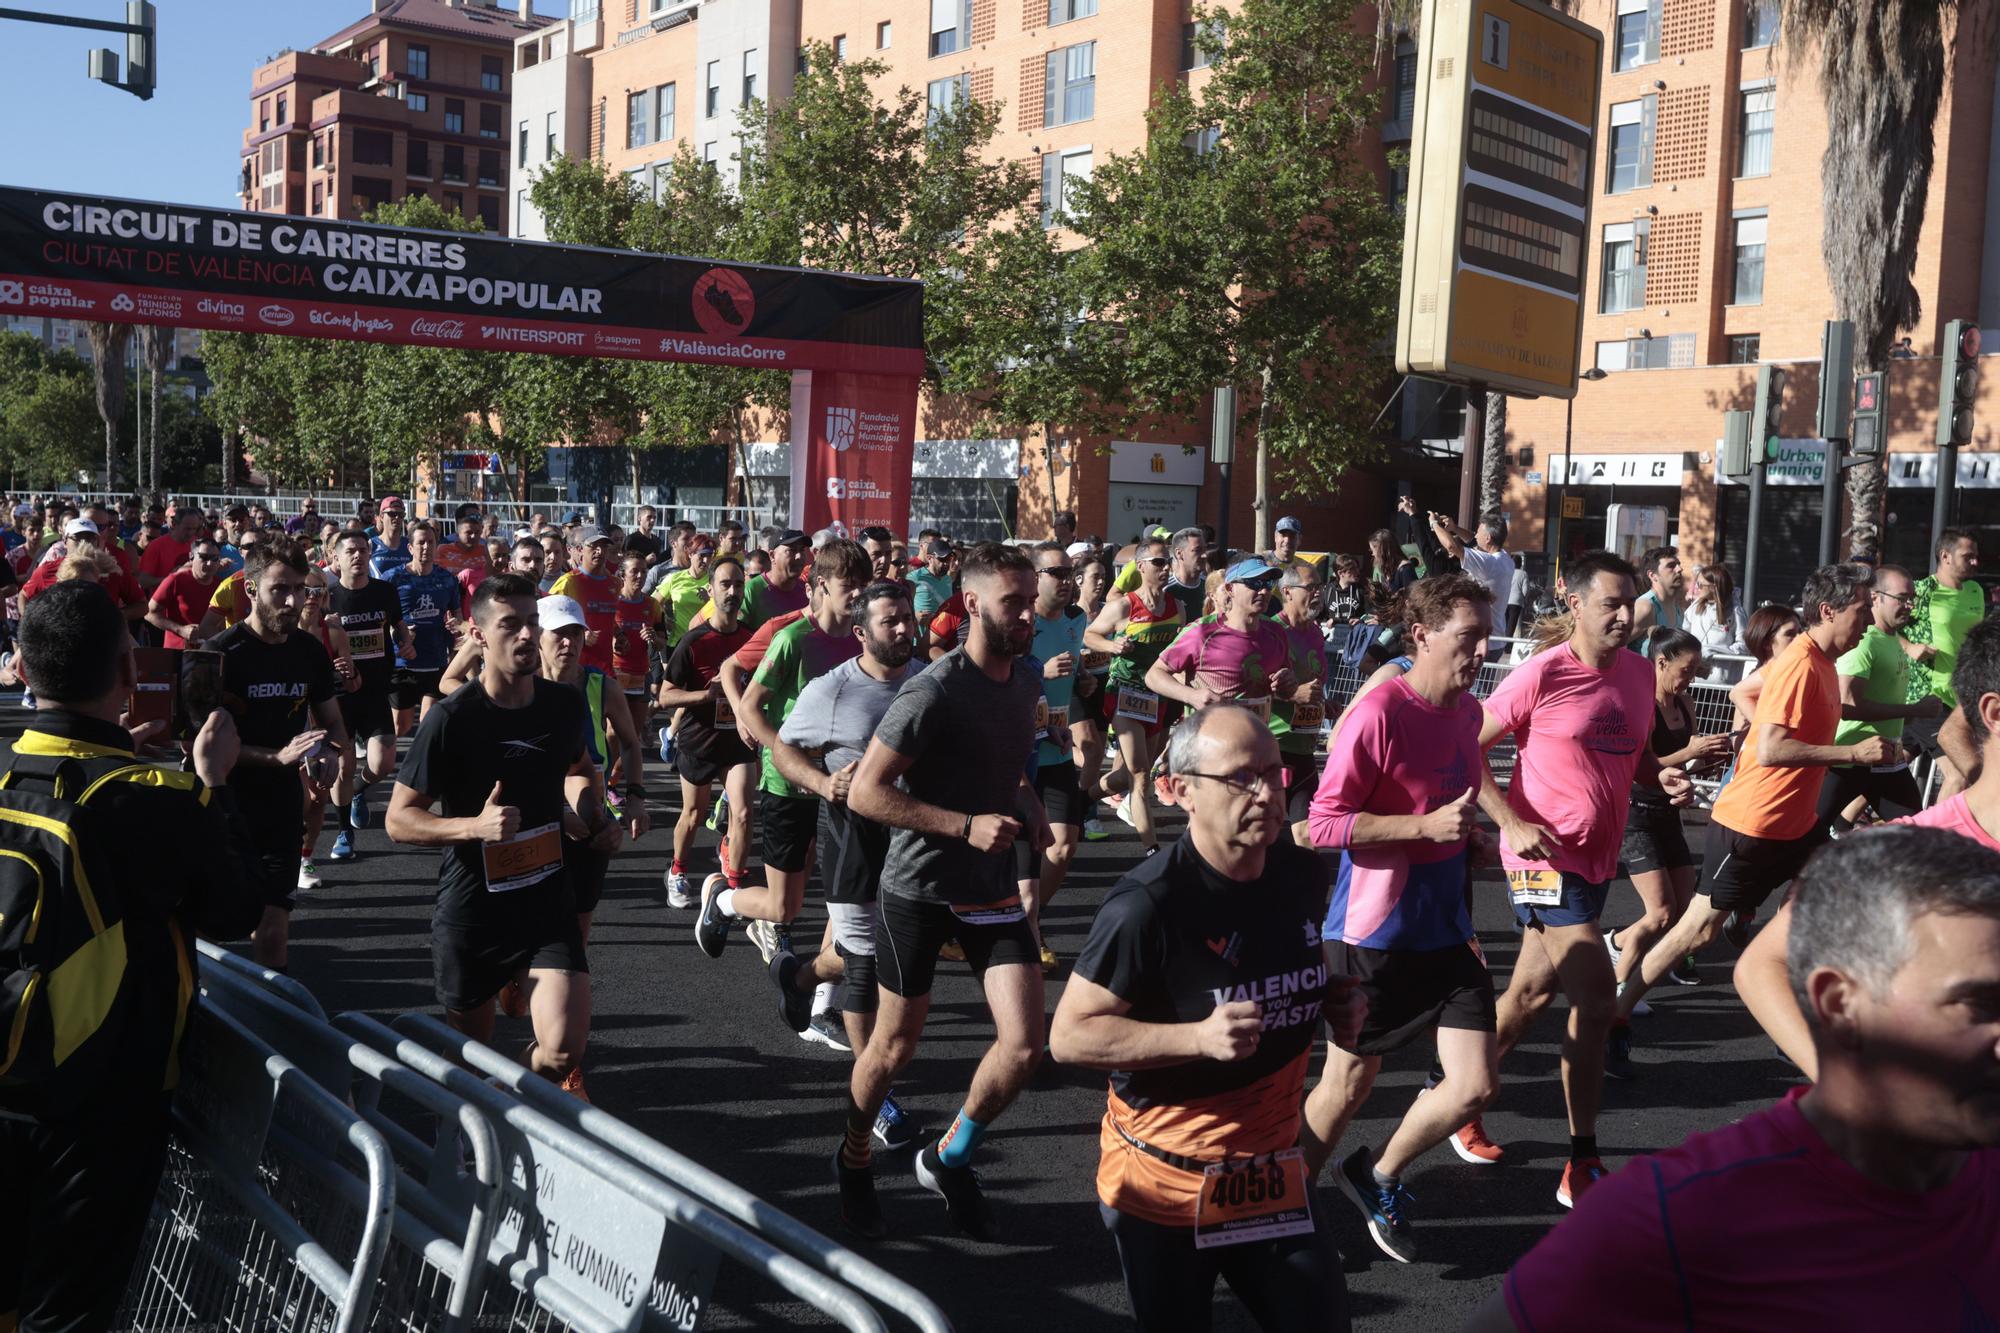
1497, 220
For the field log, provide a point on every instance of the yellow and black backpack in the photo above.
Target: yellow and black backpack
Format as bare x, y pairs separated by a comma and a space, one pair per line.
62, 938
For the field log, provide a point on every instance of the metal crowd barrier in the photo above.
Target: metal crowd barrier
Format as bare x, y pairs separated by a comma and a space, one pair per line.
335, 1176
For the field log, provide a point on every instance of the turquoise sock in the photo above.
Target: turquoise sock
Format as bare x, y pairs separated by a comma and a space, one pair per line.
955, 1148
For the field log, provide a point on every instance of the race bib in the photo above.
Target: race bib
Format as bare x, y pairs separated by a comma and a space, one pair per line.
1890, 768
1258, 1198
1535, 888
1308, 717
1004, 913
1042, 713
365, 643
1139, 705
529, 857
1096, 661
1059, 718
725, 716
1260, 705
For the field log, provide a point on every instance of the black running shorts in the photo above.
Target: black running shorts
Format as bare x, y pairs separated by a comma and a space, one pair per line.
470, 963
908, 934
408, 688
366, 714
1061, 793
1654, 840
1410, 991
1739, 872
786, 826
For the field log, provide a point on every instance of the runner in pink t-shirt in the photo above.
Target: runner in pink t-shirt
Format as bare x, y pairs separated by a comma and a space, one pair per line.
1242, 654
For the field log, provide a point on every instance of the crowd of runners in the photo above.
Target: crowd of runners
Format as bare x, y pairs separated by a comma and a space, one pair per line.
920, 735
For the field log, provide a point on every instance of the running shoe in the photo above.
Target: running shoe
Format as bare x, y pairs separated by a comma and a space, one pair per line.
1124, 812
794, 1005
893, 1129
1094, 830
1381, 1209
952, 951
1577, 1179
1685, 973
666, 745
343, 847
573, 1085
958, 1186
1737, 932
27, 698
357, 810
711, 928
1472, 1145
1618, 1054
764, 935
1049, 962
677, 889
858, 1206
718, 814
614, 807
513, 1000
1639, 1010
1611, 948
781, 934
308, 875
826, 1029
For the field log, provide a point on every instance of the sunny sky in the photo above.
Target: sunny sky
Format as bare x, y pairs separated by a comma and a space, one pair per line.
71, 133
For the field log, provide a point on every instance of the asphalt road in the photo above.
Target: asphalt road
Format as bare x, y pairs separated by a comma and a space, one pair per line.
693, 1052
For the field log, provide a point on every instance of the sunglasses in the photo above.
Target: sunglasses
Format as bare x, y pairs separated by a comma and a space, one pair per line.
1156, 561
1058, 571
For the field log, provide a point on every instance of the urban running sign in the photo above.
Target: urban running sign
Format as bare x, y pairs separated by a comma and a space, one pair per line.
81, 257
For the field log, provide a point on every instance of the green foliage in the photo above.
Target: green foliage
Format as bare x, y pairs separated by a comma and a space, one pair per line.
1269, 261
49, 427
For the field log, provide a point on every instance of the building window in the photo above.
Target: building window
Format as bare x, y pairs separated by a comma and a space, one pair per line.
638, 118
454, 202
708, 152
946, 95
264, 116
1759, 116
318, 197
1060, 171
1063, 11
417, 61
454, 163
749, 78
664, 102
1750, 231
951, 26
1760, 23
840, 49
1202, 142
489, 167
373, 148
1630, 160
1671, 352
1403, 87
374, 62
417, 156
1744, 348
882, 35
1070, 91
490, 70
523, 150
711, 101
521, 205
1197, 46
1624, 286
283, 119
418, 101
489, 213
489, 121
454, 116
1399, 188
549, 142
318, 151
1635, 41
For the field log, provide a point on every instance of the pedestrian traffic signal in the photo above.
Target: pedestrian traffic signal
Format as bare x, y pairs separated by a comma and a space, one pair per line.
1767, 419
1836, 379
1958, 382
1735, 458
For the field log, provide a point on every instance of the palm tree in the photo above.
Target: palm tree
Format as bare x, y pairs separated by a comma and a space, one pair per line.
1493, 457
156, 347
107, 356
1882, 66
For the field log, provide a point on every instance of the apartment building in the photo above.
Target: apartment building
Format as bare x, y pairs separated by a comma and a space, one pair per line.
1708, 212
411, 98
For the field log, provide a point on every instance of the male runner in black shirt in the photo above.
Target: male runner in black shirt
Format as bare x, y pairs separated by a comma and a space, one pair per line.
372, 614
279, 682
506, 755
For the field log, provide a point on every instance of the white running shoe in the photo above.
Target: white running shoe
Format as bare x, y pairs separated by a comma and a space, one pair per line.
308, 875
678, 893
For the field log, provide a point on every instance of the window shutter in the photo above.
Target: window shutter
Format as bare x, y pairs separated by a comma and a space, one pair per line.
1642, 241
1052, 91
944, 15
1051, 186
1649, 116
1652, 31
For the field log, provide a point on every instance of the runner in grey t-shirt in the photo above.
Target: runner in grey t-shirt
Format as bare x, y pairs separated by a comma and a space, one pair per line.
958, 738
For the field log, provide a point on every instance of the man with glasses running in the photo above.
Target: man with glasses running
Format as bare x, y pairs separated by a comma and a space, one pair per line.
1058, 644
181, 600
1874, 682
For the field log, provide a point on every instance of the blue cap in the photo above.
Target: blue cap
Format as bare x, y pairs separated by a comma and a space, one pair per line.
1252, 570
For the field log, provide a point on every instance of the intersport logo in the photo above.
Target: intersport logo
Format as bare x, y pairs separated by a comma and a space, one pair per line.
447, 330
276, 316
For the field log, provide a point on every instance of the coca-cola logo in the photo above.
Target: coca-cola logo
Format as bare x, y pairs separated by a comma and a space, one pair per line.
448, 330
276, 315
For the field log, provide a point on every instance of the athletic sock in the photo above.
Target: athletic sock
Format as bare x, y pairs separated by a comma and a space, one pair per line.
735, 878
346, 820
855, 1151
1582, 1147
822, 998
725, 902
955, 1148
1383, 1182
677, 867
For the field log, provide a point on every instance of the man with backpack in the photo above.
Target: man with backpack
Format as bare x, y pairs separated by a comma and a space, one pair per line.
86, 1082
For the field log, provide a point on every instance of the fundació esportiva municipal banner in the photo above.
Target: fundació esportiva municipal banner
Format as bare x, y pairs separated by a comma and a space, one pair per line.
82, 257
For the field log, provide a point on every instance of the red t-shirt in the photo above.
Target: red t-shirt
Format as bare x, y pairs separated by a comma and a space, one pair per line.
751, 655
124, 589
949, 626
599, 599
184, 599
629, 654
163, 555
1760, 1226
457, 558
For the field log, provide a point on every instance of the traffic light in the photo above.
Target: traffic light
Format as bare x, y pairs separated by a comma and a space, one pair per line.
142, 49
1865, 424
1735, 458
1836, 379
1958, 382
1766, 421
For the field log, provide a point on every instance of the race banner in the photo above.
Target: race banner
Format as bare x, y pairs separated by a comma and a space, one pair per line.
853, 448
82, 257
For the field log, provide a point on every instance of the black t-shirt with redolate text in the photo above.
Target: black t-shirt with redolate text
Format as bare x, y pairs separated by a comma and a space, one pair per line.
1174, 939
270, 690
466, 744
696, 662
371, 614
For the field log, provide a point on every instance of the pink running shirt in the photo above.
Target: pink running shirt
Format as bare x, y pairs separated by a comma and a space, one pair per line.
1759, 1226
1580, 734
1953, 816
1229, 661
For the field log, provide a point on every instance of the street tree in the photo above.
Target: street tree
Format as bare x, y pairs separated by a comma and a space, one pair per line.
107, 359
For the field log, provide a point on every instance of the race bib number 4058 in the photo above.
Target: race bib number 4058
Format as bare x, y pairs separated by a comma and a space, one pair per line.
1260, 1198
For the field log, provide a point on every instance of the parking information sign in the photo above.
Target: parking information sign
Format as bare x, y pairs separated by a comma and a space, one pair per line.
1497, 222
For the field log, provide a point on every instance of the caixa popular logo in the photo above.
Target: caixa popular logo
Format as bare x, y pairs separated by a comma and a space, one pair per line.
836, 488
840, 429
121, 303
220, 309
277, 316
12, 293
445, 330
723, 302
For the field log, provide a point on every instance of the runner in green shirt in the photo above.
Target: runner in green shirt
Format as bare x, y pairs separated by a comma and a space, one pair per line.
1874, 680
1945, 607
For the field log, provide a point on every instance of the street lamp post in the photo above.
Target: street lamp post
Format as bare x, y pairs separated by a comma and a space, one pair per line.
1552, 526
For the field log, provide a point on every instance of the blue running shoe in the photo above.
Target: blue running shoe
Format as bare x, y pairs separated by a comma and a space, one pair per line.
1382, 1209
357, 810
343, 847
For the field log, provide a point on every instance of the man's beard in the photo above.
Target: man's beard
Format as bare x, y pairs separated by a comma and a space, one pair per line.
1013, 640
889, 652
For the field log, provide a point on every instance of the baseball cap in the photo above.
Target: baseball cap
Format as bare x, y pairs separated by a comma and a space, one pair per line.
76, 525
24, 510
1075, 549
792, 537
389, 502
1290, 525
559, 612
467, 510
1160, 531
1252, 570
589, 533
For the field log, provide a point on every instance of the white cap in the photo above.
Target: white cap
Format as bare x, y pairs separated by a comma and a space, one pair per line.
76, 525
559, 612
1075, 549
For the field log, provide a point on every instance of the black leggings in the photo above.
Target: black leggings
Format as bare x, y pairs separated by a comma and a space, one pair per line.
1894, 795
1290, 1285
